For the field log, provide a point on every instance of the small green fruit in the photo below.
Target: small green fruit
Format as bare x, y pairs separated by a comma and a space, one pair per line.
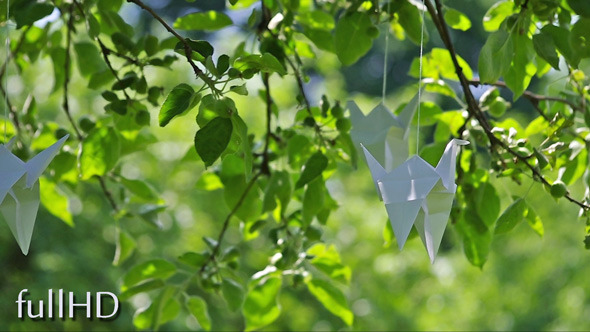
86, 124
343, 125
142, 118
337, 111
498, 108
309, 122
558, 189
61, 132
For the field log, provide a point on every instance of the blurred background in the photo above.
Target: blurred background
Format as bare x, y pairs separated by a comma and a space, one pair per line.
528, 283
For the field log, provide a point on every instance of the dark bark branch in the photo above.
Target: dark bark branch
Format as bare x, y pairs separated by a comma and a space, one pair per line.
227, 220
187, 48
66, 103
472, 105
265, 168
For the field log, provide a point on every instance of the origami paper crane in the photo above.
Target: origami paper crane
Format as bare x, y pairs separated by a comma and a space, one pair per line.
383, 133
19, 190
417, 194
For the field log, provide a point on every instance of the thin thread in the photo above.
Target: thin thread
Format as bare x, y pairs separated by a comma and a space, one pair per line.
420, 81
6, 71
385, 58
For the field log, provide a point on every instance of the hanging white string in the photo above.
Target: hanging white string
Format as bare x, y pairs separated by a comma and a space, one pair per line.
385, 57
6, 70
423, 9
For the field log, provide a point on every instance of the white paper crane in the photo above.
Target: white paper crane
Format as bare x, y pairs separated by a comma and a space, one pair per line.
417, 194
19, 190
383, 133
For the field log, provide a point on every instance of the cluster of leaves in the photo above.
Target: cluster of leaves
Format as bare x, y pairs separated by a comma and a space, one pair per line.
275, 184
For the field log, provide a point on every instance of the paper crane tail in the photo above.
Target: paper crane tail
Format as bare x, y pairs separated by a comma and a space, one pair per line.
19, 210
19, 190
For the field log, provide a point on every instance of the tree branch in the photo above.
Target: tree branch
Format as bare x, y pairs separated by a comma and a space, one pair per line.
264, 168
472, 105
107, 193
533, 97
187, 48
241, 200
66, 104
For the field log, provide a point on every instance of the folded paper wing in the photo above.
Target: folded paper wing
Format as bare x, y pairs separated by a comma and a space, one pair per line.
381, 132
417, 194
19, 190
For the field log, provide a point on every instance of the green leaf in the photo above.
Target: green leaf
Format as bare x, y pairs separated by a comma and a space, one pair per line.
139, 188
410, 19
514, 214
313, 168
580, 38
477, 248
177, 102
327, 260
58, 57
89, 58
581, 7
122, 42
212, 140
201, 49
241, 138
279, 187
313, 200
561, 39
332, 299
144, 287
55, 201
198, 308
233, 293
266, 62
193, 259
100, 152
162, 310
29, 12
495, 56
457, 20
208, 21
535, 222
125, 247
152, 269
352, 38
209, 182
497, 14
546, 49
261, 305
438, 63
488, 203
523, 68
316, 19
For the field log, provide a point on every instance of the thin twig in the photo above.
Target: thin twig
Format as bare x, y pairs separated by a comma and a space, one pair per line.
66, 104
264, 167
105, 51
530, 95
227, 220
187, 48
107, 193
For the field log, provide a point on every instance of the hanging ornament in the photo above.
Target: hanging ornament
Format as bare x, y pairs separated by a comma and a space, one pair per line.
383, 133
417, 194
414, 192
19, 190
